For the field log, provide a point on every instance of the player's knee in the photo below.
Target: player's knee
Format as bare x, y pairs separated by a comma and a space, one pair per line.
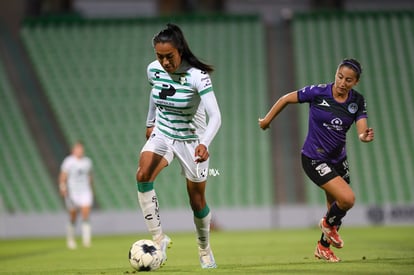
347, 202
142, 176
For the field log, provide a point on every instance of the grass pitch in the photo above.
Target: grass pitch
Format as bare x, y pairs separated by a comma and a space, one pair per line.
367, 250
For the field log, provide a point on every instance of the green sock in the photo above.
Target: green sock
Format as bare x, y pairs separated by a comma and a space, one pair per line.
145, 186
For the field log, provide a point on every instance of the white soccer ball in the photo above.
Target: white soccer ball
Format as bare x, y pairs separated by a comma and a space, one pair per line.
145, 255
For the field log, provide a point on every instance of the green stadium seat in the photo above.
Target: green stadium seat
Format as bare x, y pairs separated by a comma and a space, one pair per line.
25, 185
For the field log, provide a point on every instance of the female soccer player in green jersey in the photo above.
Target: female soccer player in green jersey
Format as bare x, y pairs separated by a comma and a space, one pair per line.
181, 98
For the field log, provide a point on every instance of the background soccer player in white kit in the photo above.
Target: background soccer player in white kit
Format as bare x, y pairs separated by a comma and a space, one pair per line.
181, 97
75, 185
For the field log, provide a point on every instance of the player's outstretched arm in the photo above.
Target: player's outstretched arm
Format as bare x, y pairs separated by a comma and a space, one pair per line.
280, 104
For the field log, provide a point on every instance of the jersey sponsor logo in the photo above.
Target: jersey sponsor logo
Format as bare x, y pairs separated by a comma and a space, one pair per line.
324, 103
323, 169
167, 90
352, 108
336, 124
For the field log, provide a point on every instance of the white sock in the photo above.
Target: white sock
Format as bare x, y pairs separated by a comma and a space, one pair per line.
70, 231
86, 233
70, 236
203, 230
150, 209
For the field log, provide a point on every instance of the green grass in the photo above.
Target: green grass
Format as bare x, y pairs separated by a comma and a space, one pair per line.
368, 250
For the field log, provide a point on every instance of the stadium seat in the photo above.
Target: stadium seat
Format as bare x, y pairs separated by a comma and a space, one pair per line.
25, 185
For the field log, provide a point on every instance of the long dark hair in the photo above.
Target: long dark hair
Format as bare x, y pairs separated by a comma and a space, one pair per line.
173, 34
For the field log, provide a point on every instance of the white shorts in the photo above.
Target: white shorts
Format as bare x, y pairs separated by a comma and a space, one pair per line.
84, 199
184, 151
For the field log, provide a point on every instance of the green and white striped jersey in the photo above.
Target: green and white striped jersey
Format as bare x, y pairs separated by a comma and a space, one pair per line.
179, 102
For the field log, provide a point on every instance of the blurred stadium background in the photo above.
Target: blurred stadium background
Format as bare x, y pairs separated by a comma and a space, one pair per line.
76, 70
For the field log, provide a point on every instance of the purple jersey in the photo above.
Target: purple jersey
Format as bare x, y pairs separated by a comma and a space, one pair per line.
329, 121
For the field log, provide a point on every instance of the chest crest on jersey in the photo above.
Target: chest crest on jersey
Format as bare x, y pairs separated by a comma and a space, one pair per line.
183, 79
353, 108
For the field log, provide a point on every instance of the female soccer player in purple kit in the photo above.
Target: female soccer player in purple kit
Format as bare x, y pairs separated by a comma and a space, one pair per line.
333, 109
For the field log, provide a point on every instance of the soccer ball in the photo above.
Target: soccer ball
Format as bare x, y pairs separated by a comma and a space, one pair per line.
145, 255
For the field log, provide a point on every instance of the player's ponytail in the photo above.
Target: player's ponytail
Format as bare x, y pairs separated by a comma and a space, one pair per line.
173, 34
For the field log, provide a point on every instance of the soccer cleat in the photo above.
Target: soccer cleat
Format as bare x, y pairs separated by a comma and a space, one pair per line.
71, 243
331, 234
206, 258
164, 242
325, 253
86, 244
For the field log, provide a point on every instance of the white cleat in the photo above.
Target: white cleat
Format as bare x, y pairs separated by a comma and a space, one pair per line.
206, 258
164, 242
71, 244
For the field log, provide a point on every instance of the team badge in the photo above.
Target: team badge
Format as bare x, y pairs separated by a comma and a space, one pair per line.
353, 108
183, 80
